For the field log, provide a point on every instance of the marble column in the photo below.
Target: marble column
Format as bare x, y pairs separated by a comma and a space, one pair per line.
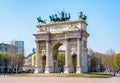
47, 70
78, 69
37, 58
66, 57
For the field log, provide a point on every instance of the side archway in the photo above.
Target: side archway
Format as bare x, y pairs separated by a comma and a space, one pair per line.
73, 63
43, 63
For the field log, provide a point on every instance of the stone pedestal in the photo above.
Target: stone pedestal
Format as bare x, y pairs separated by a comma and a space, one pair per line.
47, 70
78, 70
66, 70
36, 70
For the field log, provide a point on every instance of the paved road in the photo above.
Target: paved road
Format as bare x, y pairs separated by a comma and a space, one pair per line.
10, 79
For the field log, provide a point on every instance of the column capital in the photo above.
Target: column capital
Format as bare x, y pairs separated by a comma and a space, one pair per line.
79, 38
47, 40
36, 41
66, 38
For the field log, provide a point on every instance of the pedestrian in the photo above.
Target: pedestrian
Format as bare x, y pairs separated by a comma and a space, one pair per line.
114, 74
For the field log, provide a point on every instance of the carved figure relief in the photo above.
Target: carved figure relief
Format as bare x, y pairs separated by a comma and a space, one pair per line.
43, 29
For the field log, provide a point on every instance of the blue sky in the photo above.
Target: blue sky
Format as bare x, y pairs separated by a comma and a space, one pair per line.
18, 20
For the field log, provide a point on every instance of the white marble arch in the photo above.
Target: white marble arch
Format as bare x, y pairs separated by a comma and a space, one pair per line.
49, 37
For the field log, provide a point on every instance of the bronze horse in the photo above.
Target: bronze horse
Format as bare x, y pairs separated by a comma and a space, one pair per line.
40, 20
83, 17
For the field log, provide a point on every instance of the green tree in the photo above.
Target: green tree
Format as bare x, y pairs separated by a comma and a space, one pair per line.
10, 62
1, 62
61, 62
18, 60
117, 61
101, 62
4, 61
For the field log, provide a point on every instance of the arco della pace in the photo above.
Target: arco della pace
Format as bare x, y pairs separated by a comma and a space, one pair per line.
50, 36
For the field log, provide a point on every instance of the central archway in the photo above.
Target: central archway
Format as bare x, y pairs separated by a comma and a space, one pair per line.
58, 55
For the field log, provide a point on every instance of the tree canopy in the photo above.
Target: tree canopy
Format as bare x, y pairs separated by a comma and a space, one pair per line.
10, 62
61, 61
117, 60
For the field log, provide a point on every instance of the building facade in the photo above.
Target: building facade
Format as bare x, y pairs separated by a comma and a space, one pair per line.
29, 62
20, 45
12, 49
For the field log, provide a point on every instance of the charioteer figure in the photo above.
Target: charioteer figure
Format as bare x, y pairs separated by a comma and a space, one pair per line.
61, 16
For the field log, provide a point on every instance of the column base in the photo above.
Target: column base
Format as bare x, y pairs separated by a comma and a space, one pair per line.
66, 70
36, 70
78, 70
47, 70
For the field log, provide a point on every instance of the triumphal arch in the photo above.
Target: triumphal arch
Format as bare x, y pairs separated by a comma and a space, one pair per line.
61, 31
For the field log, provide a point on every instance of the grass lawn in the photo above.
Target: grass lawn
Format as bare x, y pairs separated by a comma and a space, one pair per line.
90, 75
64, 75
